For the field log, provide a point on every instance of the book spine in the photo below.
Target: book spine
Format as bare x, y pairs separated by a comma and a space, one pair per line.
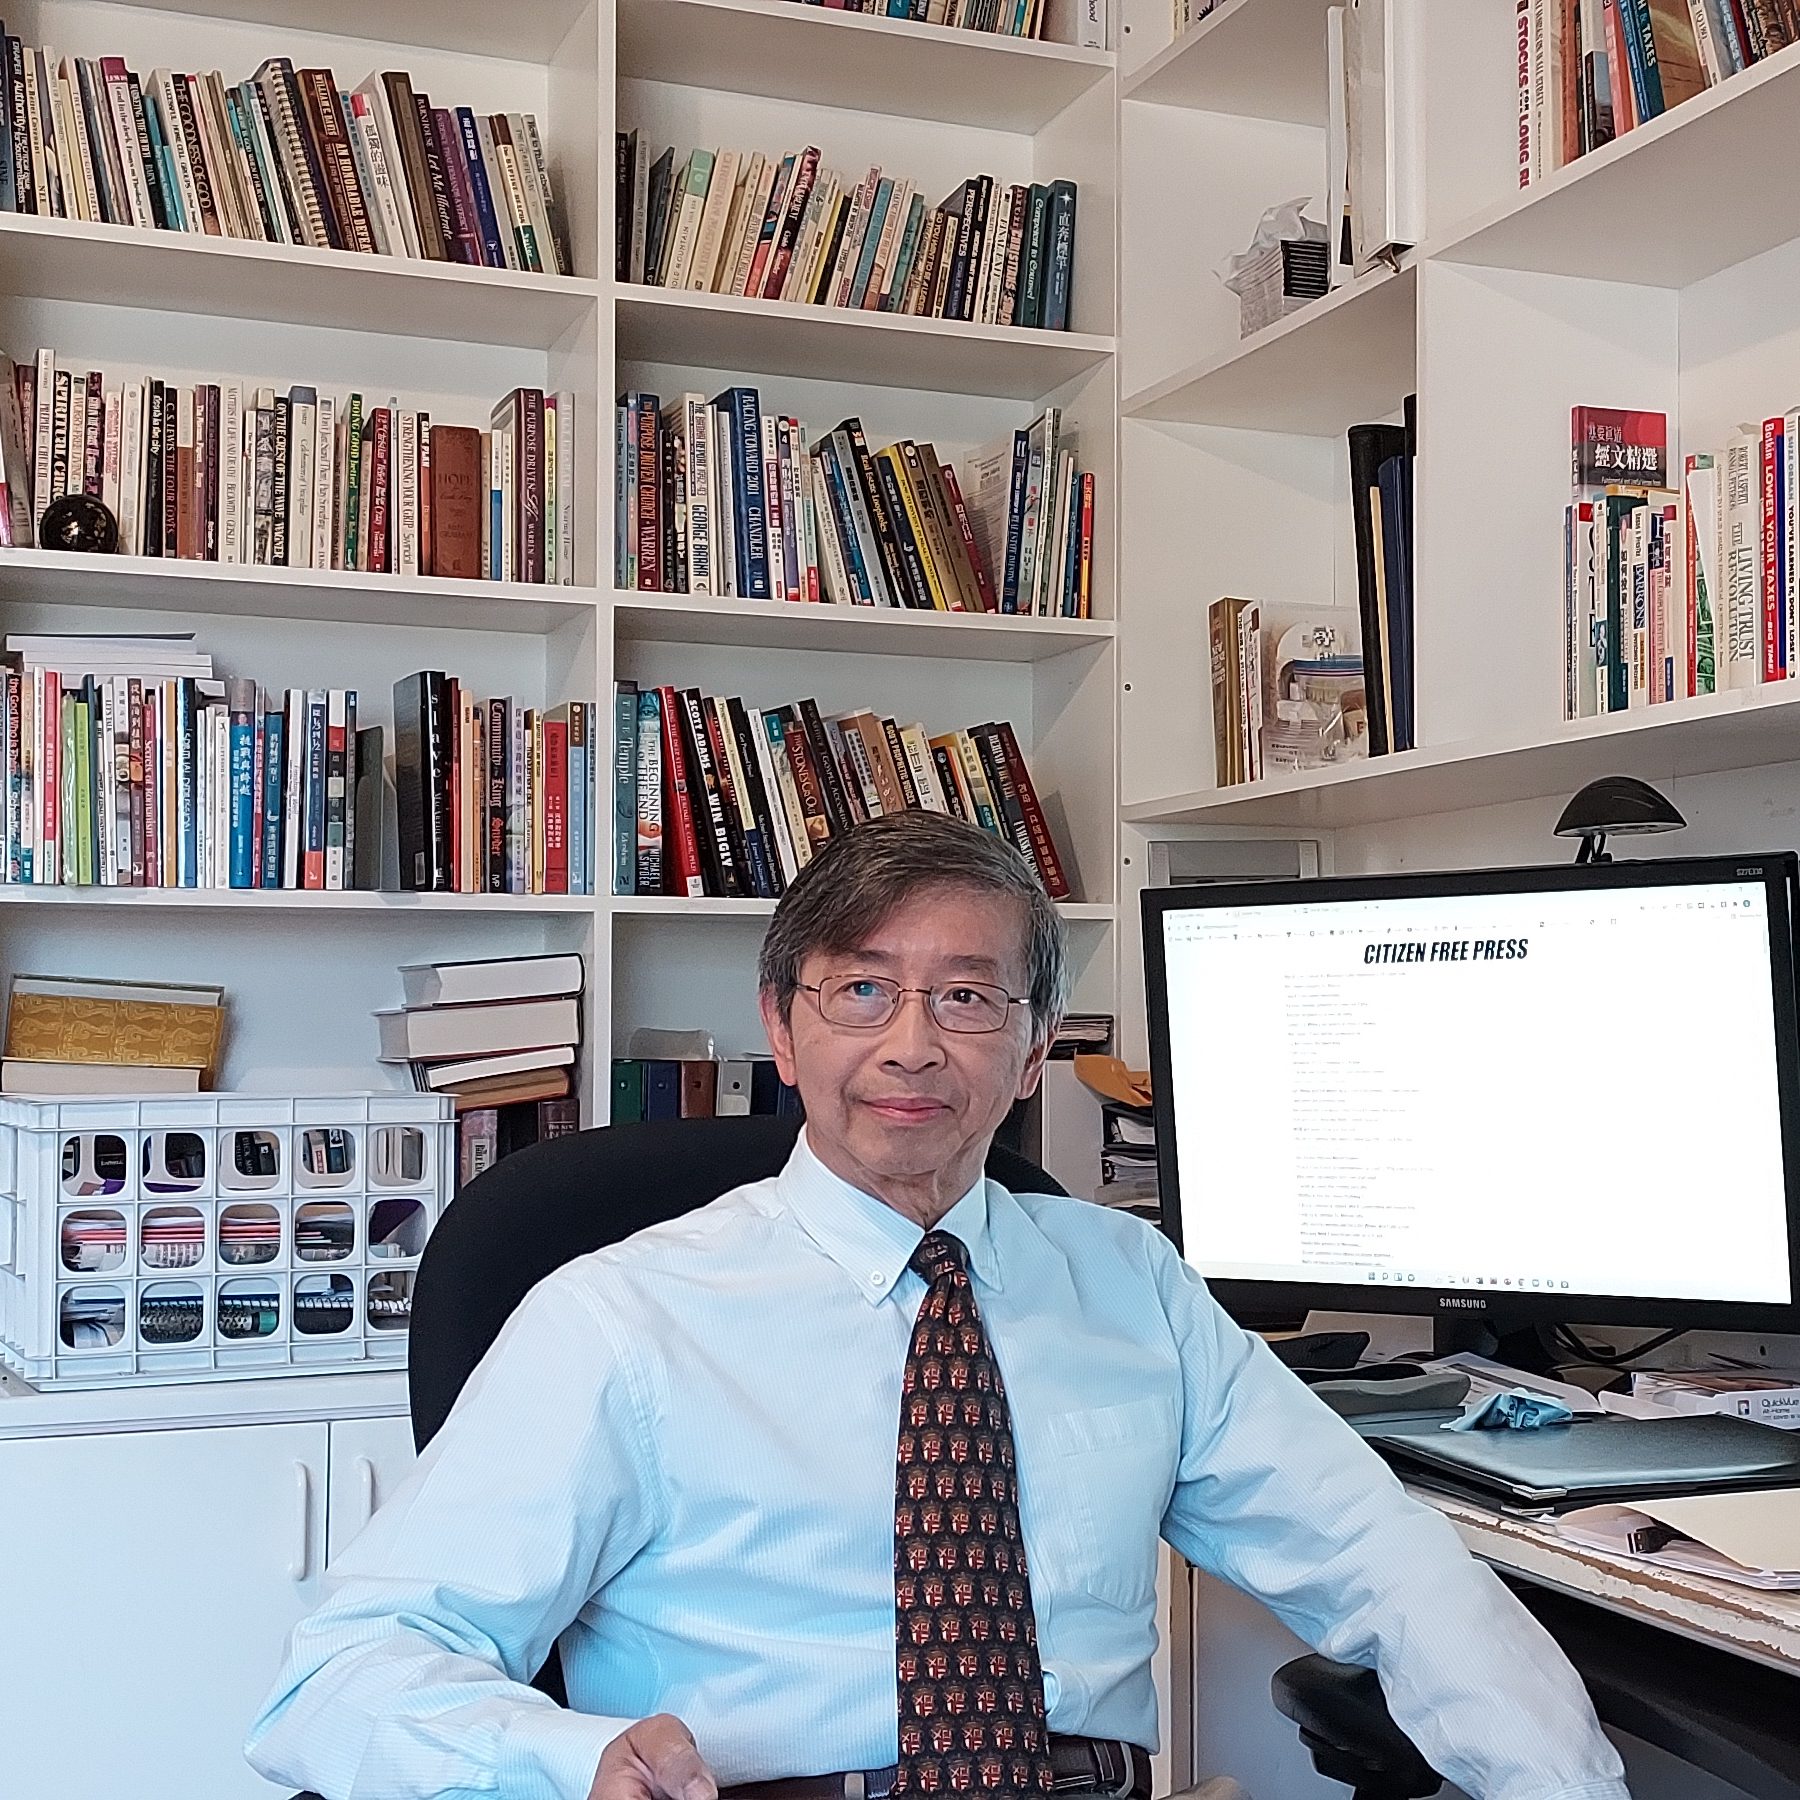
556, 806
681, 838
648, 864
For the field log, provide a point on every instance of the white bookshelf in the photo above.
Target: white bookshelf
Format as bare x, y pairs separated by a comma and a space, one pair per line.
1659, 272
304, 970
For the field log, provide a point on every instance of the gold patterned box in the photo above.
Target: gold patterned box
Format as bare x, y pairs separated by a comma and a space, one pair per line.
53, 1018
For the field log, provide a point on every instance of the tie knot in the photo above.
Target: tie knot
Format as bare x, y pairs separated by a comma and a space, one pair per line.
939, 1253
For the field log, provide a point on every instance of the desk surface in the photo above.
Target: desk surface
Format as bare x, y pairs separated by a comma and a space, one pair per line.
1748, 1622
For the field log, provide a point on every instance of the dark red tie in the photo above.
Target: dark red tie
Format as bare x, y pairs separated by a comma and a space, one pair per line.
971, 1691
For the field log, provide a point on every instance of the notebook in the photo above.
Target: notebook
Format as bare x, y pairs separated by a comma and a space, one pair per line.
1593, 1458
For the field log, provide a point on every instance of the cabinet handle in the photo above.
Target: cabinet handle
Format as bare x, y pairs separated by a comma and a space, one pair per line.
299, 1562
365, 1487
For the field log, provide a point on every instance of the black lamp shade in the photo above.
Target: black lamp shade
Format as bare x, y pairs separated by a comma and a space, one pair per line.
1617, 803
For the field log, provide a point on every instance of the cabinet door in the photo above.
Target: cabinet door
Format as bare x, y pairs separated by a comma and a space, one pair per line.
369, 1459
151, 1579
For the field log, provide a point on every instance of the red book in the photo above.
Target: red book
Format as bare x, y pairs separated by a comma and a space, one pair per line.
50, 766
1773, 604
681, 852
556, 806
425, 514
977, 561
1043, 846
1611, 445
152, 788
799, 193
1084, 597
380, 477
1618, 72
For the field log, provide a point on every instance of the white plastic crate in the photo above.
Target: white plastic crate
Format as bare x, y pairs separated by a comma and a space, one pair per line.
214, 1236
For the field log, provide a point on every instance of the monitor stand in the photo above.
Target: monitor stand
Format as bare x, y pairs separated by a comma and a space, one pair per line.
1500, 1339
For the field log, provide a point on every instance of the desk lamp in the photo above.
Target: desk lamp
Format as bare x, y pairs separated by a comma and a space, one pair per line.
1615, 803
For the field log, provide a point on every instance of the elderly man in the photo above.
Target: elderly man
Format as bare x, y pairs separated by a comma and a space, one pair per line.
850, 1483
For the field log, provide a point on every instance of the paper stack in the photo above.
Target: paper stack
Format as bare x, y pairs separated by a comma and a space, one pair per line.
1752, 1539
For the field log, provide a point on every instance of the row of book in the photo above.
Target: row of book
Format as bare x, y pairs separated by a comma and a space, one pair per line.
720, 496
719, 798
486, 1134
1672, 591
1381, 504
1283, 698
492, 797
1006, 18
699, 1087
285, 157
1591, 70
128, 764
788, 228
235, 473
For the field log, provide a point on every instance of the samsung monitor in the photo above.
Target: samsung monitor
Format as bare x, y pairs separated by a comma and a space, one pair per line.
1503, 1098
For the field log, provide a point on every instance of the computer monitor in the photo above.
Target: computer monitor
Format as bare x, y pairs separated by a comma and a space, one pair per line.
1504, 1098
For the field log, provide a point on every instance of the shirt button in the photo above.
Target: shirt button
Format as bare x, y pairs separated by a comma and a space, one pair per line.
874, 1278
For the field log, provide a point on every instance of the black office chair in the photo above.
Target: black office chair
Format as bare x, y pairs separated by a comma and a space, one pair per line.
540, 1208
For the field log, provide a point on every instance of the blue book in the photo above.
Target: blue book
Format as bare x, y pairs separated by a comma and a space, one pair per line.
312, 872
1395, 547
274, 755
1071, 569
662, 1090
9, 184
489, 221
750, 526
625, 787
241, 699
1653, 87
1015, 521
1062, 256
865, 262
188, 861
840, 507
1634, 57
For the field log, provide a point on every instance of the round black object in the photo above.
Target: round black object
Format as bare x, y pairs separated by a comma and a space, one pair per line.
79, 522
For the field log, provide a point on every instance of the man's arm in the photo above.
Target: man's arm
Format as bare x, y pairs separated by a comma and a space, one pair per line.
1276, 1495
410, 1680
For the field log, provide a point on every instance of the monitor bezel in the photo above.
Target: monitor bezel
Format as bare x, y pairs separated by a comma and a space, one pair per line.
1778, 872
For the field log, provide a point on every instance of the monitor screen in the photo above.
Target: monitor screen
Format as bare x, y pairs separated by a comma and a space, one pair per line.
1523, 1083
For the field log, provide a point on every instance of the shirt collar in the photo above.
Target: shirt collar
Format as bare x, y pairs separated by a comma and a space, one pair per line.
866, 1237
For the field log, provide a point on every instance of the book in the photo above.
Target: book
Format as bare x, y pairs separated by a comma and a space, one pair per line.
490, 979
414, 1034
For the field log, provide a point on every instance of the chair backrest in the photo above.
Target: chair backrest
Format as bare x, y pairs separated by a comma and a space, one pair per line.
528, 1215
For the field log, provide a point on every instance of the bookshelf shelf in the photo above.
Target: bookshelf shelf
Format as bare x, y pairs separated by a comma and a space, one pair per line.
886, 631
787, 51
1692, 170
291, 900
532, 30
1741, 730
830, 343
1263, 59
179, 272
671, 906
259, 592
1347, 357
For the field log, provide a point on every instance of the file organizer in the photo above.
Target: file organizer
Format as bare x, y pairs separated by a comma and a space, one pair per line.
214, 1237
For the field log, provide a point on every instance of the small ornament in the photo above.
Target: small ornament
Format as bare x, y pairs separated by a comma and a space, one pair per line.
79, 522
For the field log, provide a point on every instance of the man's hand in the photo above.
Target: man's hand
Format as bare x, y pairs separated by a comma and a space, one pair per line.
655, 1760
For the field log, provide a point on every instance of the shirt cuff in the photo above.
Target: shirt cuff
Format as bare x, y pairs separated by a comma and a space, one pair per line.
550, 1753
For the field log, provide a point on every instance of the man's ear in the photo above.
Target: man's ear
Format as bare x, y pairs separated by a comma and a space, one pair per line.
781, 1038
1033, 1072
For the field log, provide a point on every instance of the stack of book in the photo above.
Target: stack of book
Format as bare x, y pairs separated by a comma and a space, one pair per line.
1381, 503
129, 765
727, 800
1675, 591
1591, 70
70, 1036
1235, 644
1007, 18
721, 497
286, 157
237, 473
648, 1088
787, 228
492, 797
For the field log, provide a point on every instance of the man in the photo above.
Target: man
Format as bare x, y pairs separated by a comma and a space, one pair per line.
852, 1481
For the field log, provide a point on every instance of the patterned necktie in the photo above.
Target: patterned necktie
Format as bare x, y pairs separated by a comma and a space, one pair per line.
970, 1689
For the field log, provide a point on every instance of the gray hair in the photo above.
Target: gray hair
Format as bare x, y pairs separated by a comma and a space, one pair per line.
858, 880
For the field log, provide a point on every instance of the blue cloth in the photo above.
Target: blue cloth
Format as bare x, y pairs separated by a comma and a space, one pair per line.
685, 1445
1513, 1410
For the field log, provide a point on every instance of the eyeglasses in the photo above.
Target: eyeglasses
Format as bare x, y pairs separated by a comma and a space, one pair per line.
867, 1002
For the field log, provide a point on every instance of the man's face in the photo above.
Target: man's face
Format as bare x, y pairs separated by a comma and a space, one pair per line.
910, 1100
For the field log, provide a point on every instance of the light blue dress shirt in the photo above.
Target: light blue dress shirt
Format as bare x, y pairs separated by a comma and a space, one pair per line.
679, 1456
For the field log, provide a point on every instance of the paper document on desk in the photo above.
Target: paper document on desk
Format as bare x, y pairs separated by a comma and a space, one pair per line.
1752, 1539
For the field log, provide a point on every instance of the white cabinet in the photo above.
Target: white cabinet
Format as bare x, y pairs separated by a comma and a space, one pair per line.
369, 1459
150, 1578
148, 1581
